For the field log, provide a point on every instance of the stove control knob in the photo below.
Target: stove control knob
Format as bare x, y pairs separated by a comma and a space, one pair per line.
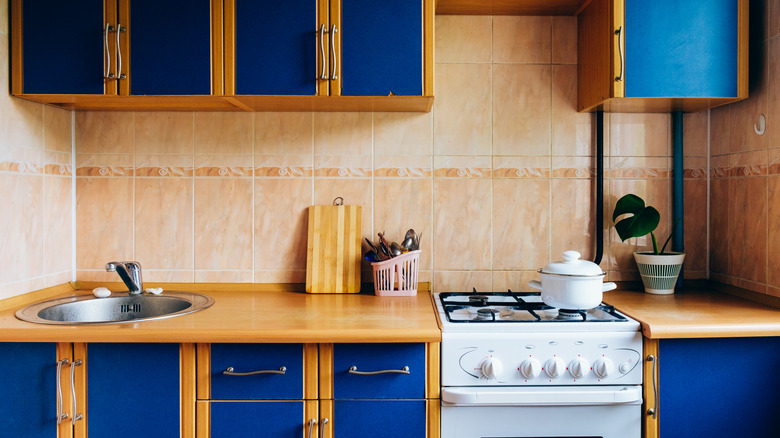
530, 368
491, 368
555, 367
603, 367
579, 368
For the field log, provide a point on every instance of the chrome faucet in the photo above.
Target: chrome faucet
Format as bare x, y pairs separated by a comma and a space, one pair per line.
130, 273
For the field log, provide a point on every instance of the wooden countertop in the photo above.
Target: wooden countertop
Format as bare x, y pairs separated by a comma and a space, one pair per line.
696, 313
241, 315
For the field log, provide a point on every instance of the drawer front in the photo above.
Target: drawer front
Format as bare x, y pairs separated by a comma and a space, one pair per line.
246, 358
379, 418
379, 357
282, 419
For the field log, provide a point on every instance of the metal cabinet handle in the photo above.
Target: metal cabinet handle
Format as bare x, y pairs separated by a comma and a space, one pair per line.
323, 423
119, 73
109, 29
230, 371
353, 370
60, 415
323, 73
653, 411
333, 31
621, 38
76, 416
311, 424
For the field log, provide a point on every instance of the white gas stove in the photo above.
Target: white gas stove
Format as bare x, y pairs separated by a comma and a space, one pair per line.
507, 358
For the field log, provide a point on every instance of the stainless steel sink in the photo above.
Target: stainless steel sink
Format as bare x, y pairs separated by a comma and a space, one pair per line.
120, 307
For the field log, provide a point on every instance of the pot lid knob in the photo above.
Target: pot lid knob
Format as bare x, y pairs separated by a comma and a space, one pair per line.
571, 256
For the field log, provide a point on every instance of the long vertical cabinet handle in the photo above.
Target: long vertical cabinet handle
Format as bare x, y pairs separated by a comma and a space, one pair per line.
621, 43
109, 29
119, 30
654, 411
333, 31
60, 415
76, 416
323, 423
323, 74
311, 424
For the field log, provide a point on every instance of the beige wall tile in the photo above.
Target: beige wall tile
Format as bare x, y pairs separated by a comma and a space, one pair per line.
521, 109
521, 224
104, 132
58, 224
162, 276
773, 231
342, 134
773, 110
461, 224
104, 221
462, 281
21, 124
22, 225
57, 129
281, 223
572, 218
223, 276
695, 134
283, 133
223, 224
4, 19
695, 237
228, 133
516, 281
640, 135
403, 134
163, 224
401, 204
354, 191
720, 130
9, 290
748, 228
572, 132
564, 40
744, 114
164, 133
463, 39
774, 18
281, 276
719, 225
522, 39
462, 110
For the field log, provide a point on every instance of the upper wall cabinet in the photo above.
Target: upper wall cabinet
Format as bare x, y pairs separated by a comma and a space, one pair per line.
303, 55
661, 56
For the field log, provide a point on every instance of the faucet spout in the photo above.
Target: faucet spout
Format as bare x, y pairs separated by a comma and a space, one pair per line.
130, 273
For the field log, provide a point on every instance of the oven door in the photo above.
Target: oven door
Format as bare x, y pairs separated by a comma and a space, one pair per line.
536, 412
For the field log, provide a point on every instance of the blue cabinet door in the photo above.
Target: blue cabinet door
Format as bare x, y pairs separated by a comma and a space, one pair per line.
133, 390
379, 418
379, 357
681, 48
28, 382
268, 419
718, 387
255, 357
276, 47
381, 47
62, 46
170, 47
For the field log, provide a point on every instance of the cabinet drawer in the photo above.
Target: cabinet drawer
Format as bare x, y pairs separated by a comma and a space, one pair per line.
257, 418
378, 357
379, 418
248, 358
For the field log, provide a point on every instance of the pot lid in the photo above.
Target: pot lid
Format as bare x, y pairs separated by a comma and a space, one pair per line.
572, 265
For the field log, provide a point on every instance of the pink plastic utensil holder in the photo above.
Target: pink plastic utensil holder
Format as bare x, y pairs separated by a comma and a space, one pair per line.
397, 277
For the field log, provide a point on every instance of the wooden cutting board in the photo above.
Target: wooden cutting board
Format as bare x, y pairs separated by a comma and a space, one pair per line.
334, 249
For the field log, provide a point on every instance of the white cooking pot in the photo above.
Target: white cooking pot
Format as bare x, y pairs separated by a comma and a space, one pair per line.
571, 283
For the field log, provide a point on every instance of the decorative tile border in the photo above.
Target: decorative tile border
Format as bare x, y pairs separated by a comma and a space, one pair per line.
463, 172
407, 172
284, 171
224, 171
164, 171
104, 171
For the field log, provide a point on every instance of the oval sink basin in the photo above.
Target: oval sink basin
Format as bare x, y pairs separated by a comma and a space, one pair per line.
121, 307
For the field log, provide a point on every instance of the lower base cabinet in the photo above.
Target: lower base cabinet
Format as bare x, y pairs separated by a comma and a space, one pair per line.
28, 380
379, 418
230, 419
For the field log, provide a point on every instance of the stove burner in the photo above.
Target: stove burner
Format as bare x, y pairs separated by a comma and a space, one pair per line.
571, 315
478, 300
487, 314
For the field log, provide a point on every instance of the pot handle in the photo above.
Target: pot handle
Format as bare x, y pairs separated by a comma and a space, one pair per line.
608, 286
536, 285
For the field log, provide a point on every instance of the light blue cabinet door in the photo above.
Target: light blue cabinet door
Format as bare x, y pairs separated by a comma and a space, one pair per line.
28, 385
133, 390
724, 387
681, 48
62, 46
381, 46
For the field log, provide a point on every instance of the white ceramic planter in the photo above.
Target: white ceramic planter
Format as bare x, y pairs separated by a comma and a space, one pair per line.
659, 272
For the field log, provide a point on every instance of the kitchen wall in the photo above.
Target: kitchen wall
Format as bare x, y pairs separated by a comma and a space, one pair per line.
745, 177
498, 178
36, 244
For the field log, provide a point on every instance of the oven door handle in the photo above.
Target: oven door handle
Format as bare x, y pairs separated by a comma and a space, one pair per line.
541, 396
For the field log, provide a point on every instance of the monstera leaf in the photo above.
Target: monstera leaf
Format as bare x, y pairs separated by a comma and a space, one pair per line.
643, 220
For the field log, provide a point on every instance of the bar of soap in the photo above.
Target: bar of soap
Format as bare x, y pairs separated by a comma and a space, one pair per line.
154, 290
101, 292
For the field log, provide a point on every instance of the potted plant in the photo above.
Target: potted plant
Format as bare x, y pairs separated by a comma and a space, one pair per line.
659, 269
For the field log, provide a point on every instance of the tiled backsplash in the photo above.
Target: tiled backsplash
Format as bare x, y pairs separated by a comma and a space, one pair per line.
498, 178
